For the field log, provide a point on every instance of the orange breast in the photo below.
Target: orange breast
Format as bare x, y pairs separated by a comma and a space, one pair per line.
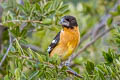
69, 39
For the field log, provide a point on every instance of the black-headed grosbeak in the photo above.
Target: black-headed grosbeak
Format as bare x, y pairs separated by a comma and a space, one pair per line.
66, 40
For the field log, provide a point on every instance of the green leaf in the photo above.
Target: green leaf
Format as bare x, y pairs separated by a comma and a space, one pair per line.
101, 75
118, 8
16, 31
89, 67
60, 5
21, 7
117, 62
102, 68
27, 4
23, 33
48, 5
31, 52
54, 29
63, 7
47, 21
39, 8
114, 13
12, 67
39, 57
6, 77
52, 12
66, 11
108, 57
55, 60
23, 41
17, 74
35, 73
109, 21
19, 47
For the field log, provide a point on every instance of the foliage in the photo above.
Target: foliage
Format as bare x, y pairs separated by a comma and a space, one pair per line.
104, 71
33, 24
25, 63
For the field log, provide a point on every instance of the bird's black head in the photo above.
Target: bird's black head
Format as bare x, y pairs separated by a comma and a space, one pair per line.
69, 22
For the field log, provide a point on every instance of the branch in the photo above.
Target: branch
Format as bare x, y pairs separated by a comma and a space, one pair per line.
10, 45
94, 31
90, 43
47, 63
97, 28
102, 23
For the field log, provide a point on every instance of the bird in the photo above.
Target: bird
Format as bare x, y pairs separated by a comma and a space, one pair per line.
67, 40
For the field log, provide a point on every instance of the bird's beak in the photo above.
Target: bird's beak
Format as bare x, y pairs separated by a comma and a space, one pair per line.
62, 21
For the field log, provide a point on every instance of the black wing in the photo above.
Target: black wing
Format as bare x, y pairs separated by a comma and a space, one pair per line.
54, 43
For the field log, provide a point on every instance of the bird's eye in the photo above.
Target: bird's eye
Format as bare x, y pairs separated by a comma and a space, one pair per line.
67, 19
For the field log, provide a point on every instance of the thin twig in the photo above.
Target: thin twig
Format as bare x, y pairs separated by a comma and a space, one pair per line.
10, 45
91, 42
77, 75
